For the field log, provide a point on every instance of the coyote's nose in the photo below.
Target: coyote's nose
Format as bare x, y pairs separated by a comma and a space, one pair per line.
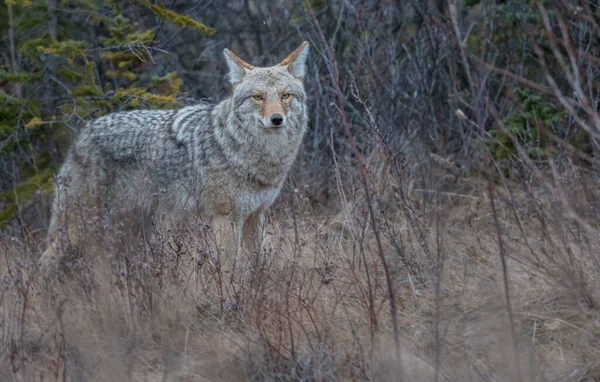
276, 119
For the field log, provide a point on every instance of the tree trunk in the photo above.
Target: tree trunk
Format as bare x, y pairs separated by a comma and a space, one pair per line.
49, 101
11, 41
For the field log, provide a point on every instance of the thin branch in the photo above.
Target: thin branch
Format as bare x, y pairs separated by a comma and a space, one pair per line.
365, 183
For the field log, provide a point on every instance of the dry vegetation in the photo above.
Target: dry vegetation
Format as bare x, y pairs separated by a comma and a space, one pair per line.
314, 306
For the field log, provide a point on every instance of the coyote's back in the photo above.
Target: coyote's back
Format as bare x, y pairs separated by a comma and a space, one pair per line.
225, 162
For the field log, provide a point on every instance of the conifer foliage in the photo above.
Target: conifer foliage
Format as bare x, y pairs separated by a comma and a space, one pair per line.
69, 61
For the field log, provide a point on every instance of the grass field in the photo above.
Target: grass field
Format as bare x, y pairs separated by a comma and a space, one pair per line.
315, 305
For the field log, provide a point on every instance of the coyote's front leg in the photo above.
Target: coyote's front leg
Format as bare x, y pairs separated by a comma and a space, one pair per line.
255, 231
228, 233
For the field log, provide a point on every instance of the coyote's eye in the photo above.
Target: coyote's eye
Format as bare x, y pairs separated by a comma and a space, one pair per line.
257, 97
285, 95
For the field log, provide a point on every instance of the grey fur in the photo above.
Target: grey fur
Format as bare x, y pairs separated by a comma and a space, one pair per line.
221, 162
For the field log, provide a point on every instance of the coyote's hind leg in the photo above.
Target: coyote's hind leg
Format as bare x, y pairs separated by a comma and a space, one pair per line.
70, 223
65, 234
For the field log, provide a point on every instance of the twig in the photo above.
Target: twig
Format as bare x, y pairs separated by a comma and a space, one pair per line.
491, 191
363, 171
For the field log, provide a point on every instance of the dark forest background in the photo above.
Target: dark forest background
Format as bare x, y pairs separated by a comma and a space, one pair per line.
521, 72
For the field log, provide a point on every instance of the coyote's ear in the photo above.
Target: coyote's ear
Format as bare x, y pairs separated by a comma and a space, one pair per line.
296, 61
237, 66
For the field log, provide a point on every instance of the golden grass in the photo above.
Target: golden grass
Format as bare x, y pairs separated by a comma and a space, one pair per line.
314, 306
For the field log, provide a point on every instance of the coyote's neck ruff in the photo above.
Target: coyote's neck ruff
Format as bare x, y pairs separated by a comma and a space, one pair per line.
226, 162
258, 154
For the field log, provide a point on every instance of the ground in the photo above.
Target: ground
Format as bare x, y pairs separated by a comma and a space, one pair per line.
315, 306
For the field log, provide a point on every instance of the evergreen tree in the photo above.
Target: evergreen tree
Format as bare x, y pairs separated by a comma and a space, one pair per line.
71, 61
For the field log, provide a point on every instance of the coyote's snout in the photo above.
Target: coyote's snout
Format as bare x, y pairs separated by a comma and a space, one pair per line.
225, 162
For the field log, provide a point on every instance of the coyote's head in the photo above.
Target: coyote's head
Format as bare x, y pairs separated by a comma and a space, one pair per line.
269, 98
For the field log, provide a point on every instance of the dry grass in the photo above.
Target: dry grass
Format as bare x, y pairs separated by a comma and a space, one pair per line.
314, 306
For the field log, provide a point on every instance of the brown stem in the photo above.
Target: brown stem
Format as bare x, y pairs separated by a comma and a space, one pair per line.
487, 168
363, 172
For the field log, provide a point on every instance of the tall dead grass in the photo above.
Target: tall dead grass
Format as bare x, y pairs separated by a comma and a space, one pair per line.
313, 305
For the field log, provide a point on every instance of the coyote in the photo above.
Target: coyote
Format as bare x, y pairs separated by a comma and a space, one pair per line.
225, 162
